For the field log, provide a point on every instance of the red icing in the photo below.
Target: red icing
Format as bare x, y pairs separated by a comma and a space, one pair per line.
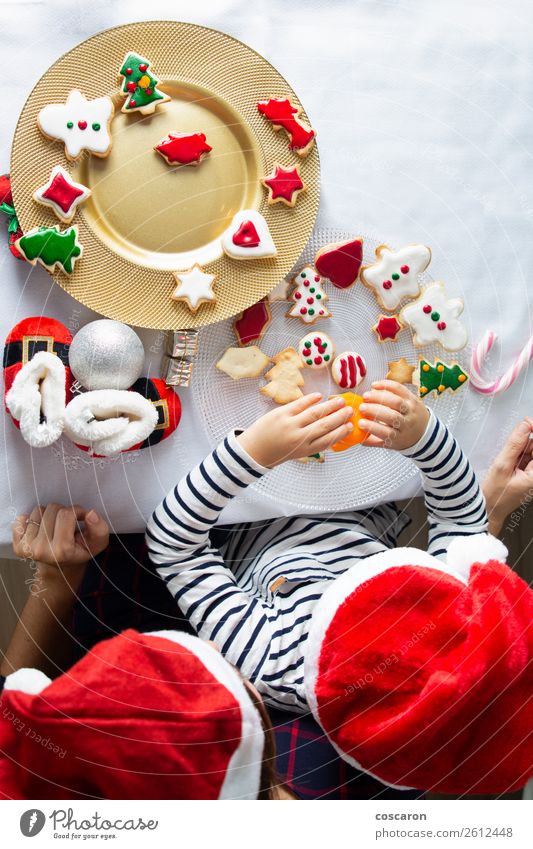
306, 282
82, 125
283, 114
143, 67
441, 325
250, 325
182, 148
133, 102
129, 72
149, 92
350, 366
388, 327
284, 183
387, 284
297, 295
404, 269
427, 308
340, 263
361, 366
310, 300
61, 192
131, 86
303, 310
306, 352
246, 236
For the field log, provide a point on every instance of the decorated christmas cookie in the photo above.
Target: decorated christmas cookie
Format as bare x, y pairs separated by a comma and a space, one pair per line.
309, 297
284, 115
243, 362
51, 246
284, 378
248, 236
62, 194
434, 318
395, 274
279, 293
316, 350
79, 123
340, 262
195, 287
357, 435
319, 457
140, 86
6, 206
439, 377
348, 370
183, 148
284, 185
387, 328
251, 324
401, 371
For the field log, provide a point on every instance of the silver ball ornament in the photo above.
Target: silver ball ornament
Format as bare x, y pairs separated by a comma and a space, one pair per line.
106, 354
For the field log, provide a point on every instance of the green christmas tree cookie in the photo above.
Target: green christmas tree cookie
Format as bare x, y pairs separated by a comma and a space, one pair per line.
51, 246
140, 86
439, 377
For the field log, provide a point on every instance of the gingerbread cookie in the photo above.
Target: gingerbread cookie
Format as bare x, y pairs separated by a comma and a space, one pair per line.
284, 378
140, 86
183, 148
251, 324
348, 370
439, 377
357, 435
195, 287
284, 185
387, 328
340, 262
79, 123
400, 371
248, 237
395, 274
309, 297
319, 457
62, 194
434, 318
316, 350
279, 292
51, 246
243, 362
284, 115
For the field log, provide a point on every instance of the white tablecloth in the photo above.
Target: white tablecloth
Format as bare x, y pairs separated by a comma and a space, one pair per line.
423, 113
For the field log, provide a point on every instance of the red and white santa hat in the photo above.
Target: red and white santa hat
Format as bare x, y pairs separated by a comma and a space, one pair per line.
420, 671
141, 716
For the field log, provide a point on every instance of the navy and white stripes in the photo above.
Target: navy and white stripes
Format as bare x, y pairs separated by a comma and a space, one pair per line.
255, 597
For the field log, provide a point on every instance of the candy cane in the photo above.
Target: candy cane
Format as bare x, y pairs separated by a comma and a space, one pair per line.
502, 383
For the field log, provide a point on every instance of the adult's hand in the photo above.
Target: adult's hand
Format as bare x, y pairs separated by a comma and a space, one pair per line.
509, 481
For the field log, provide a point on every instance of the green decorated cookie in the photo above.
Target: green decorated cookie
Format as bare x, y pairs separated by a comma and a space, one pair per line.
51, 246
439, 377
140, 86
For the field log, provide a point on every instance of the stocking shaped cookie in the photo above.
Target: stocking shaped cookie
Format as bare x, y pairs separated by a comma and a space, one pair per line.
248, 236
434, 318
395, 274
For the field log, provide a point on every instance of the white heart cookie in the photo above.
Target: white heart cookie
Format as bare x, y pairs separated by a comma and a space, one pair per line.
79, 123
395, 274
248, 236
434, 318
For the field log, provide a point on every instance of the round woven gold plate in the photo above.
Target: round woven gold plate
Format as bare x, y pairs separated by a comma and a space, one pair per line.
146, 219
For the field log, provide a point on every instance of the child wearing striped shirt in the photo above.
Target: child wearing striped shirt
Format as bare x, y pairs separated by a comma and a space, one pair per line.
254, 597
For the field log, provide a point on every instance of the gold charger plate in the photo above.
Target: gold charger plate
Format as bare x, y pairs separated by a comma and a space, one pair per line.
146, 219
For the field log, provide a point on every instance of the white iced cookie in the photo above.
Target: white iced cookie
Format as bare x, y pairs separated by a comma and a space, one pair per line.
348, 370
395, 274
248, 236
62, 194
79, 123
195, 287
434, 318
316, 350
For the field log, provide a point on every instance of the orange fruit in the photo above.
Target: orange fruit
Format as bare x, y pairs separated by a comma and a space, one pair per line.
357, 435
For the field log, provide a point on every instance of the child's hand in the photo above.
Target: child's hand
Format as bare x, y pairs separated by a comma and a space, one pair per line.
52, 536
509, 481
298, 429
392, 415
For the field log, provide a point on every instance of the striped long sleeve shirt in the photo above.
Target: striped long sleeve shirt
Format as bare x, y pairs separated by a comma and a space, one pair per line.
255, 596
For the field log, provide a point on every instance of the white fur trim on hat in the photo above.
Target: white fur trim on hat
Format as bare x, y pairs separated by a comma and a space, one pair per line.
242, 780
30, 681
109, 420
463, 552
36, 399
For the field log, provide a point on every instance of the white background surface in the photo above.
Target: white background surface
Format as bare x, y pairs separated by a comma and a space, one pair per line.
424, 120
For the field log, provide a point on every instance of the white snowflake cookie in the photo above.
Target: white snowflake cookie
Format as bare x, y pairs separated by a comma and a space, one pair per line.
195, 287
435, 318
248, 237
395, 274
79, 123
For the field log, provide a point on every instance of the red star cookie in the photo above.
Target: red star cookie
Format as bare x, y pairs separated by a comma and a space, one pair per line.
387, 327
62, 194
284, 185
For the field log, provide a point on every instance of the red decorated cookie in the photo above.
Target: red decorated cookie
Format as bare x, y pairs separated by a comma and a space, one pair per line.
251, 324
340, 262
284, 185
387, 327
183, 148
284, 115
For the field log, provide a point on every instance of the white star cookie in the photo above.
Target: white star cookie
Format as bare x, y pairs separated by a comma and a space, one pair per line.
248, 236
79, 123
434, 318
195, 287
395, 274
